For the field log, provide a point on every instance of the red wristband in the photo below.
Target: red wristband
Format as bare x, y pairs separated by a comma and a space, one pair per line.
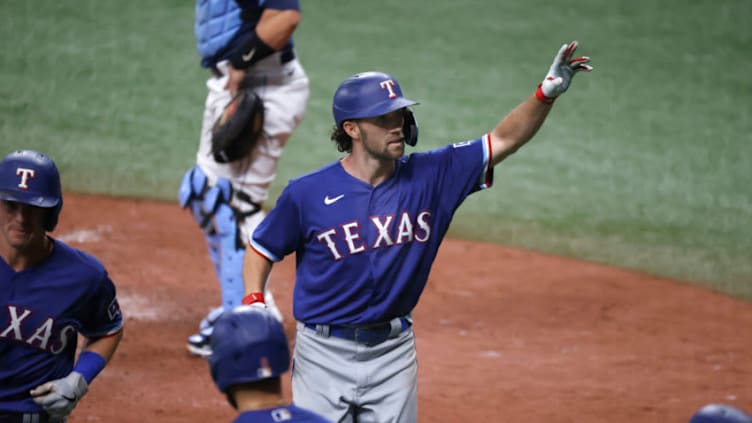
254, 297
542, 97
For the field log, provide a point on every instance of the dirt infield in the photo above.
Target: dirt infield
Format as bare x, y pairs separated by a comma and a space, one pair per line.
503, 334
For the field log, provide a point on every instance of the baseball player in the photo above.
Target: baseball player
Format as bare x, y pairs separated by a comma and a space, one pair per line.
249, 353
49, 293
366, 230
242, 43
720, 413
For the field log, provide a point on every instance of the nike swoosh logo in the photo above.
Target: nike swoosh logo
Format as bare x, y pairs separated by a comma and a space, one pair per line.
247, 57
329, 201
65, 397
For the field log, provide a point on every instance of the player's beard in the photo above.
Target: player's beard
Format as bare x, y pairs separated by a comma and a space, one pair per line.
383, 150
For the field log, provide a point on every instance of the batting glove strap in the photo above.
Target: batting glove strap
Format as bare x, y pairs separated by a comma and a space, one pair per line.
254, 297
59, 397
542, 97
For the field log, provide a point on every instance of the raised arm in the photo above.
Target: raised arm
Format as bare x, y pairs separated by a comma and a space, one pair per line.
521, 124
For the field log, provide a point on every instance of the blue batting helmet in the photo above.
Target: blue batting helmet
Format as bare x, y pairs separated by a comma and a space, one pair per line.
248, 344
720, 413
371, 94
368, 94
30, 177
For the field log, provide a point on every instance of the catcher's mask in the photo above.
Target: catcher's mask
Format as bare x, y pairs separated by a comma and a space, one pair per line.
30, 177
720, 413
371, 94
248, 344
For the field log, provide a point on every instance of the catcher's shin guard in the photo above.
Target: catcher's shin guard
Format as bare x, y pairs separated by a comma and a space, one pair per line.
231, 255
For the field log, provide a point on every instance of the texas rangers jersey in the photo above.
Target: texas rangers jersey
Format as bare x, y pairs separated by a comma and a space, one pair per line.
289, 413
363, 253
43, 309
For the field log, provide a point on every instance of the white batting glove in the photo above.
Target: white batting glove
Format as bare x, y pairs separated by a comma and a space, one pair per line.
561, 72
59, 397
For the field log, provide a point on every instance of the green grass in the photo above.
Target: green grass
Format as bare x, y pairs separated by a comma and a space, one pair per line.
646, 163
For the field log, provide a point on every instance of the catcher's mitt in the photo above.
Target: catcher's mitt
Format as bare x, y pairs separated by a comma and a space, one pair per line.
236, 131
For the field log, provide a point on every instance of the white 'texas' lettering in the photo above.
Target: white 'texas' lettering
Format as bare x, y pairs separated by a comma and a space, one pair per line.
40, 334
326, 236
15, 323
383, 229
350, 239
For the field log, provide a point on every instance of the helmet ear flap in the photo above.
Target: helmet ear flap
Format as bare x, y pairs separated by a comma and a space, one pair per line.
410, 127
52, 218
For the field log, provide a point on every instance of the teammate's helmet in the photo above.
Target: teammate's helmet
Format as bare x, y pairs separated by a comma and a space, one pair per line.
720, 413
248, 344
30, 177
368, 94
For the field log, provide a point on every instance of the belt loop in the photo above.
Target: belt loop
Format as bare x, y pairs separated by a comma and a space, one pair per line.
323, 330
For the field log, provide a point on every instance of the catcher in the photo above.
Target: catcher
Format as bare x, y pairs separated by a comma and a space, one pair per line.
258, 94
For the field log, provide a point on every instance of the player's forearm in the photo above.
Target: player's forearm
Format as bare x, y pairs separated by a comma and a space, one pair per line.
517, 128
104, 346
256, 271
277, 26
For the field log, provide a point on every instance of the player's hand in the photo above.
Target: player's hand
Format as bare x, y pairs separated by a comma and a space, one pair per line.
59, 397
235, 79
561, 72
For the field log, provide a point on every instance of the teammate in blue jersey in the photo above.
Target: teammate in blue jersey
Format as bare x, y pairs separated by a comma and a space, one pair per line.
249, 354
241, 42
720, 413
366, 230
49, 293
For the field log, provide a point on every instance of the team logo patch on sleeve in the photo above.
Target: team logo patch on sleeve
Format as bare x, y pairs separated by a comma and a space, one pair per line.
113, 310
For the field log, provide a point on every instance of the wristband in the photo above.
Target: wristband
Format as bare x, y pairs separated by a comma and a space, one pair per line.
542, 97
250, 52
254, 297
89, 364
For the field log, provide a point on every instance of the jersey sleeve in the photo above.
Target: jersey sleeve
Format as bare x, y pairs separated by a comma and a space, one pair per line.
279, 232
101, 313
462, 168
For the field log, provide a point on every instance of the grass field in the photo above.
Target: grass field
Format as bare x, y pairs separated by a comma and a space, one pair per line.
646, 163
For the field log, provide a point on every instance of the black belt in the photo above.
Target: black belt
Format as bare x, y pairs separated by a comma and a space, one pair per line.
6, 417
372, 334
288, 55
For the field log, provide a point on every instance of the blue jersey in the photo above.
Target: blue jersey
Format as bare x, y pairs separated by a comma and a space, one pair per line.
289, 413
223, 25
43, 310
363, 253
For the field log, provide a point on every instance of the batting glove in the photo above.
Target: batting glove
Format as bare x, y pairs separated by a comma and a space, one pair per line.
59, 397
561, 72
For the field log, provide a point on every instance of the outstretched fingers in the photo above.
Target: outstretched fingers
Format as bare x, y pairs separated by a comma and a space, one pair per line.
580, 64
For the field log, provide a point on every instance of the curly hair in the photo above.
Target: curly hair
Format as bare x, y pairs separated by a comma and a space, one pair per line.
343, 141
